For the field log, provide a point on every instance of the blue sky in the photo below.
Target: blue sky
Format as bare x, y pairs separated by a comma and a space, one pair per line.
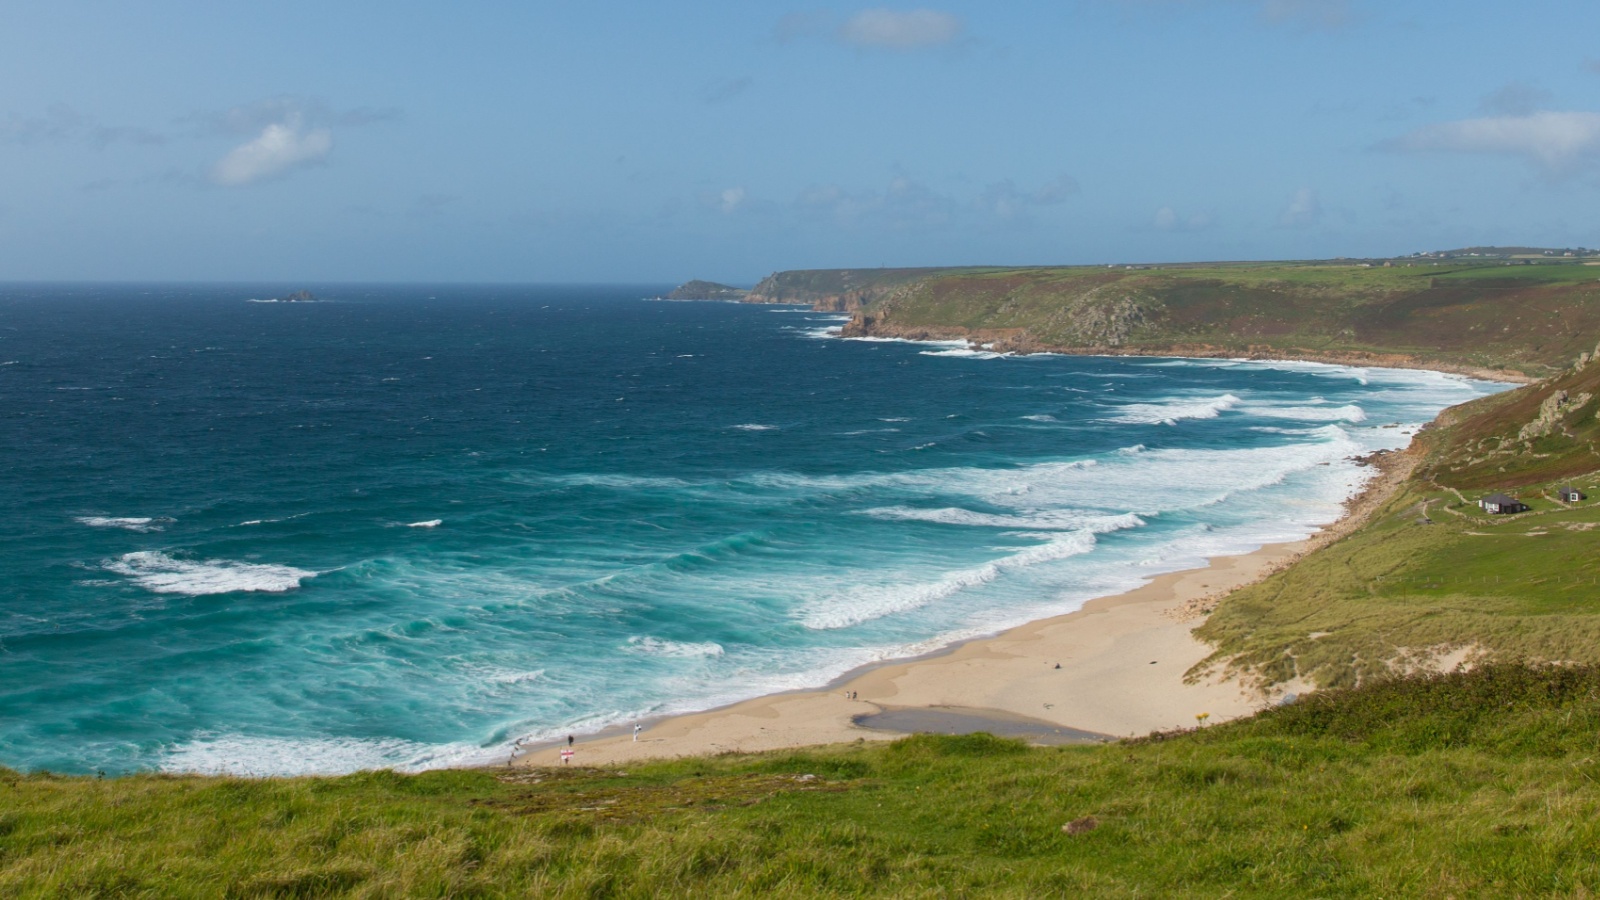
502, 141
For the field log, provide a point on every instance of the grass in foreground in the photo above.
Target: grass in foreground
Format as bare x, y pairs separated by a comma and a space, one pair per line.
1475, 784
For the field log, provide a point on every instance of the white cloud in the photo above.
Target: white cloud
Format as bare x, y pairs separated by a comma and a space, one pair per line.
1169, 219
736, 201
1004, 200
280, 147
731, 199
900, 30
1558, 143
1304, 209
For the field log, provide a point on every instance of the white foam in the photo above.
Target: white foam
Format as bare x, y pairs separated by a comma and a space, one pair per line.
271, 756
273, 521
1043, 417
1349, 413
959, 344
155, 571
514, 677
431, 523
868, 602
128, 523
965, 353
756, 427
678, 649
622, 482
1042, 520
1174, 411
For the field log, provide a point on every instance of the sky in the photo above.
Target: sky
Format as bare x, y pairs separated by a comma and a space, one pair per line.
652, 142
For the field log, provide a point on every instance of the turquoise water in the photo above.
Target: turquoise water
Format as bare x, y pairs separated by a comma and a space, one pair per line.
407, 526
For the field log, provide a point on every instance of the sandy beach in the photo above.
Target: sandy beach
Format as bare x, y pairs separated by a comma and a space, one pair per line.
1114, 668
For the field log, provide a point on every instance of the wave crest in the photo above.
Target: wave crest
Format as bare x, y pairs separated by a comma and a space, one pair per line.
127, 523
1173, 412
863, 604
677, 649
1349, 413
157, 572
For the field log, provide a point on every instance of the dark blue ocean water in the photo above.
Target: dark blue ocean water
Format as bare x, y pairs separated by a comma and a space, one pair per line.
409, 525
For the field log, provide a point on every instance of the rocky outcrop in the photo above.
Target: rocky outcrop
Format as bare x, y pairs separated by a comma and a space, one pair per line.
301, 296
1551, 412
706, 290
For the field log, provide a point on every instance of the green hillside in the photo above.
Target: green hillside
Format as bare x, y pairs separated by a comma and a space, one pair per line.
1430, 572
1470, 785
1495, 315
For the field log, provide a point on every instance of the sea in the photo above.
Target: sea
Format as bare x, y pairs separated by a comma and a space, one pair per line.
408, 526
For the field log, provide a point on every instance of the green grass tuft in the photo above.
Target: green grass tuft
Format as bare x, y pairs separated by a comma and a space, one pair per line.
1468, 784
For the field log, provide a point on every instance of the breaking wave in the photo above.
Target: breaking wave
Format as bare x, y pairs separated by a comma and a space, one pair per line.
127, 523
1173, 412
678, 649
1347, 413
155, 571
869, 602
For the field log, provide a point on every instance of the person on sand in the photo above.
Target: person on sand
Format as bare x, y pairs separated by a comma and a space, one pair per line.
636, 728
569, 740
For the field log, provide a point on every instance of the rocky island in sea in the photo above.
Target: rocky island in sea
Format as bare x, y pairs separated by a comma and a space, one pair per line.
706, 290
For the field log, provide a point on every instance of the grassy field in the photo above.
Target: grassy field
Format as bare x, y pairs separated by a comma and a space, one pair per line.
1512, 587
1469, 785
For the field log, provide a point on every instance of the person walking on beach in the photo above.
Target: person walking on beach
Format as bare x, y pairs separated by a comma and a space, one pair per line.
636, 727
569, 740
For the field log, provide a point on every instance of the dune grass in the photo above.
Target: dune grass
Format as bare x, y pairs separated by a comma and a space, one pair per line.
1471, 784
